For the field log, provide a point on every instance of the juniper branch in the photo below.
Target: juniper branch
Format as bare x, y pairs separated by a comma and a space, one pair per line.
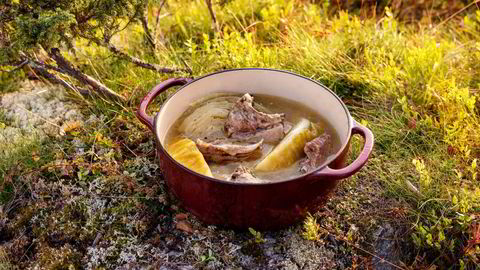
68, 68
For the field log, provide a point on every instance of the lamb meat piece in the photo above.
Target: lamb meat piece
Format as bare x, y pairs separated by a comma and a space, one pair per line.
287, 126
243, 118
242, 174
271, 135
229, 150
316, 151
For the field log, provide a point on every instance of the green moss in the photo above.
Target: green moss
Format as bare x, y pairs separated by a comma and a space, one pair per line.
5, 263
9, 82
21, 157
63, 258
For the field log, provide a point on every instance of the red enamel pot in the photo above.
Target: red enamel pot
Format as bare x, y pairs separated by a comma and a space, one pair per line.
270, 205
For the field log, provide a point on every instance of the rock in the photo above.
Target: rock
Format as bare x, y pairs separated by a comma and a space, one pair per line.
386, 248
333, 244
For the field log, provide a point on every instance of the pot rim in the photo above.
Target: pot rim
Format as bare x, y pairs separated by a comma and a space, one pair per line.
320, 168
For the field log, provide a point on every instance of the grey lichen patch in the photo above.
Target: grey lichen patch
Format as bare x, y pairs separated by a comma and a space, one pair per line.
38, 106
308, 254
32, 113
140, 167
212, 248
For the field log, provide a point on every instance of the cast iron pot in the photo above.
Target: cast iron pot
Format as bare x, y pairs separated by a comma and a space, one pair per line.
262, 206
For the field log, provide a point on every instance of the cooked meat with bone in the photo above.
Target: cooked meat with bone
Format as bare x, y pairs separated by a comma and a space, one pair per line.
316, 151
271, 135
229, 150
244, 120
242, 174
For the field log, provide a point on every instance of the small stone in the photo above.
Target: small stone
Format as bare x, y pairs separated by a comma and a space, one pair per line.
385, 247
332, 240
184, 226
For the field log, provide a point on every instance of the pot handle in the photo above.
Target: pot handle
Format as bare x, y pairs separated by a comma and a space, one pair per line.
357, 164
160, 88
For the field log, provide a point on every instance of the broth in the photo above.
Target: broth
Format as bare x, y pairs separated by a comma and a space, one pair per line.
293, 111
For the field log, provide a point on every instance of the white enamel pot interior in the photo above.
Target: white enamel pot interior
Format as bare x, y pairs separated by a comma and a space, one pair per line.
258, 81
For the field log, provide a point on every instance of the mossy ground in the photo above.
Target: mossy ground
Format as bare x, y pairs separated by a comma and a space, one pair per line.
95, 197
99, 200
